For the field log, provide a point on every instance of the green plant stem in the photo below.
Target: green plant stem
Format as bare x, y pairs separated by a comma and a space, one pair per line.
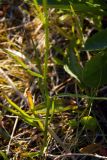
47, 99
80, 96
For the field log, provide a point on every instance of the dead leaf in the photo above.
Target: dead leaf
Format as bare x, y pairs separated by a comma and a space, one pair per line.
91, 148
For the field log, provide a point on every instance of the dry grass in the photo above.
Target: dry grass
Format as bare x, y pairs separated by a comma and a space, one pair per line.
27, 40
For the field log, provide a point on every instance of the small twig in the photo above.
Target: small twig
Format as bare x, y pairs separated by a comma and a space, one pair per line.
20, 134
58, 157
14, 127
9, 116
61, 85
22, 26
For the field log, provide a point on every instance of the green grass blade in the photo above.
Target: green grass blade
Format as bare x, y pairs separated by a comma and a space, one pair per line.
23, 65
80, 96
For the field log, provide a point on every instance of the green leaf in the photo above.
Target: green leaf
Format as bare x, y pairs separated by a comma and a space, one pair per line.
95, 71
73, 123
89, 122
97, 41
30, 119
81, 7
72, 67
35, 74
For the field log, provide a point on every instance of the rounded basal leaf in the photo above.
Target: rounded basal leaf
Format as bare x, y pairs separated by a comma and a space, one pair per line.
95, 71
97, 41
89, 122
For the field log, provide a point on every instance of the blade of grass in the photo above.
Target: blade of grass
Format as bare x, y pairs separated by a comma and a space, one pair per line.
80, 96
28, 118
34, 73
40, 15
16, 107
10, 110
23, 65
77, 24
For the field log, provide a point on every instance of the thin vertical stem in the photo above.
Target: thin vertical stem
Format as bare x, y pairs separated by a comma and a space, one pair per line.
46, 25
47, 100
